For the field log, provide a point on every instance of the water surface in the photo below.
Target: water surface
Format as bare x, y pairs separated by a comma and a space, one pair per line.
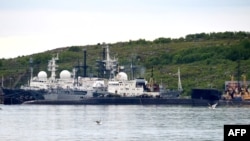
119, 122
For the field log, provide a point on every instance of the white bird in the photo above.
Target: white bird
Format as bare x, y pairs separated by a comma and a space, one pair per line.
212, 106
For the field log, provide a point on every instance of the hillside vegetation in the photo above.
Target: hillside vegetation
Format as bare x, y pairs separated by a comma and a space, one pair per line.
205, 60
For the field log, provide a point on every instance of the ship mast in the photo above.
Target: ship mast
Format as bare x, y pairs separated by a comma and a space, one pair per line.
31, 69
244, 81
151, 81
132, 70
179, 80
53, 67
110, 64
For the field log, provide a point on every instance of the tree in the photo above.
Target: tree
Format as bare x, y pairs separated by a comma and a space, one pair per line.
162, 40
75, 49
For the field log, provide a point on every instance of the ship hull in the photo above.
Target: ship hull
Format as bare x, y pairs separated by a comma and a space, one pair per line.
63, 97
18, 96
138, 101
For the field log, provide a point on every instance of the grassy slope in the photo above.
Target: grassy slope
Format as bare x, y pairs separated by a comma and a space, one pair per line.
210, 72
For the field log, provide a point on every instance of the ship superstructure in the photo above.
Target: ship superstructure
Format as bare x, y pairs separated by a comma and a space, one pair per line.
111, 81
237, 90
123, 87
107, 66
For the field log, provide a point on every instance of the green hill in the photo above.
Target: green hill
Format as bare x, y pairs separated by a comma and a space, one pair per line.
205, 60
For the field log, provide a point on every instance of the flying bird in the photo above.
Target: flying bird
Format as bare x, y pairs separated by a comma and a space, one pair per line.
98, 122
212, 106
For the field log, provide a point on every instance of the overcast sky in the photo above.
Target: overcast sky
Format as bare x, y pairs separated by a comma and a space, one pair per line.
33, 26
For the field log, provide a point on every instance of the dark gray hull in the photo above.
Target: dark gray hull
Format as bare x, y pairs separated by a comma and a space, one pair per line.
18, 96
138, 101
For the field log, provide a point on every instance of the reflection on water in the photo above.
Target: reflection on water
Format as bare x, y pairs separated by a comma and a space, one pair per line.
119, 122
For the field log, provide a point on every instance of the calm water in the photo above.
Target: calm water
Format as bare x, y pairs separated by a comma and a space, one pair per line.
119, 123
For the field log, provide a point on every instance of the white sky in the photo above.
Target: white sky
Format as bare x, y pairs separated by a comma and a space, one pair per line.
33, 26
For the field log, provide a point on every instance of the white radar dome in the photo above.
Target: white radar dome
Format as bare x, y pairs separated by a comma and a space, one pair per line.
42, 75
122, 76
98, 84
65, 74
